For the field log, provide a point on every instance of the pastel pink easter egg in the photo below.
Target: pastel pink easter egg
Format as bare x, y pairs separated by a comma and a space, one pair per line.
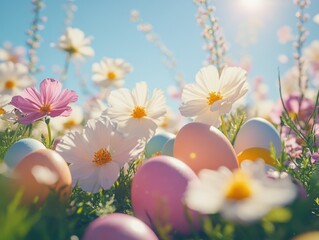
201, 146
157, 194
118, 226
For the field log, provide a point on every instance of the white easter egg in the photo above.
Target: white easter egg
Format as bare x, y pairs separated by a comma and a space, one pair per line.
254, 141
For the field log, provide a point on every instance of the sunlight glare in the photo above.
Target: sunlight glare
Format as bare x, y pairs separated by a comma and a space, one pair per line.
252, 4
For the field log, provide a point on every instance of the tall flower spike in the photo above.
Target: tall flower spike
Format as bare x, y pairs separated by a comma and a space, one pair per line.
50, 101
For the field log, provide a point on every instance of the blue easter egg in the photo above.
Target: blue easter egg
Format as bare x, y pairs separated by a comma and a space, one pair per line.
156, 143
168, 148
20, 149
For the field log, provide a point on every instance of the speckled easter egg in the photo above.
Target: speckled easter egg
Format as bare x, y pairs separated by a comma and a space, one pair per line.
41, 171
156, 143
254, 139
118, 226
157, 193
168, 148
20, 149
202, 146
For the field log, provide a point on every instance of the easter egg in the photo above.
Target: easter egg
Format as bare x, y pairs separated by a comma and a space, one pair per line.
20, 149
157, 191
118, 226
41, 171
156, 143
202, 146
254, 139
168, 148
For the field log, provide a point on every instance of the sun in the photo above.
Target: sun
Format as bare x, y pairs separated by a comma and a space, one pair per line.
252, 4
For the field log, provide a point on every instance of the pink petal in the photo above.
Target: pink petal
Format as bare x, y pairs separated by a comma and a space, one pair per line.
25, 105
33, 95
66, 97
30, 118
49, 90
64, 112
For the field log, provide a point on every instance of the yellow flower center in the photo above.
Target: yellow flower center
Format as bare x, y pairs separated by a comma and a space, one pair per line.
293, 115
165, 122
239, 188
138, 112
69, 124
111, 75
2, 111
71, 50
9, 84
213, 97
102, 157
45, 108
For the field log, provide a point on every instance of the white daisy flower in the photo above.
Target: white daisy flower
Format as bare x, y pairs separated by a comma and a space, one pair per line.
110, 72
245, 195
10, 54
7, 116
73, 121
134, 112
97, 154
94, 108
74, 42
14, 77
171, 122
211, 95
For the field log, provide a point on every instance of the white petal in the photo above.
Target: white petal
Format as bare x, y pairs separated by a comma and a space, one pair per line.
140, 94
109, 174
208, 78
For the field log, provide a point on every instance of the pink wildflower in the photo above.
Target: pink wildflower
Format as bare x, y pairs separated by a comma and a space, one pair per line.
284, 34
50, 101
292, 105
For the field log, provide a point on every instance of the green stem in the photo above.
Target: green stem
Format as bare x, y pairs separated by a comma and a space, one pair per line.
224, 129
47, 122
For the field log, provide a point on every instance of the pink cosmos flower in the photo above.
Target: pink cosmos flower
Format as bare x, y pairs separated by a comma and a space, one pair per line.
292, 104
50, 101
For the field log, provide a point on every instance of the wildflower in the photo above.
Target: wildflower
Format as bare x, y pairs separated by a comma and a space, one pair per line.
294, 108
75, 43
135, 16
14, 77
10, 54
74, 120
311, 54
97, 154
284, 34
94, 107
50, 101
244, 195
210, 97
134, 112
5, 107
110, 72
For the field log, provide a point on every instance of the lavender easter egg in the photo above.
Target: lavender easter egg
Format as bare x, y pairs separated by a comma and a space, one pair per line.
118, 226
157, 194
156, 143
20, 149
254, 141
201, 146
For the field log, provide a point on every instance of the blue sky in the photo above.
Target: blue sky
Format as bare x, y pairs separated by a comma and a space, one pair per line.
174, 20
